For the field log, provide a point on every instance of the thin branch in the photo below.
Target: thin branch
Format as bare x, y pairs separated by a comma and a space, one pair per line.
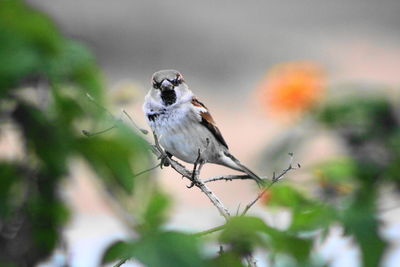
120, 263
143, 131
214, 199
150, 169
100, 106
275, 179
230, 178
195, 181
90, 134
194, 177
210, 231
160, 153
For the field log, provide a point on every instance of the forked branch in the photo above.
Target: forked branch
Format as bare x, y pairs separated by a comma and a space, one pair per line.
274, 180
193, 176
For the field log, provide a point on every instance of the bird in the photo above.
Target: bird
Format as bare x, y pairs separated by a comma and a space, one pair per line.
184, 126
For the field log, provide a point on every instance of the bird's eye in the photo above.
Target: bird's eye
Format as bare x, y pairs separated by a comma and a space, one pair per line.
156, 85
177, 81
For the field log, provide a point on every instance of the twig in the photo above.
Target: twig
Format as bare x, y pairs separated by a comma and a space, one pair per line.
160, 153
194, 178
214, 199
152, 168
275, 179
230, 178
99, 105
120, 263
90, 134
143, 131
210, 231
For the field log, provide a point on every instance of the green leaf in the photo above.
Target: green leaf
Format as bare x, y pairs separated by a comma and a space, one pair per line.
360, 119
168, 249
66, 110
287, 243
113, 157
9, 189
286, 196
360, 220
155, 214
110, 158
160, 249
117, 251
313, 218
27, 39
336, 178
226, 259
243, 234
44, 137
340, 169
75, 64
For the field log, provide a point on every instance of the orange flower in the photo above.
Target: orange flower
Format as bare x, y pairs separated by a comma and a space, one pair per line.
292, 88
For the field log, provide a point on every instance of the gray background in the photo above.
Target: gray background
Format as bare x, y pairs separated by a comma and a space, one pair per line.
221, 45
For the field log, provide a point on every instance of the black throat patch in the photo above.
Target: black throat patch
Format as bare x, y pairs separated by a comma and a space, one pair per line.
168, 97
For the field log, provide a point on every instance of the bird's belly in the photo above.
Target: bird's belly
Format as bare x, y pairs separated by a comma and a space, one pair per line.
184, 140
180, 147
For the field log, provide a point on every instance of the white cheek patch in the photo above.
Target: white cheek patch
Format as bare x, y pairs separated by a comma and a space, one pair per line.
183, 94
151, 104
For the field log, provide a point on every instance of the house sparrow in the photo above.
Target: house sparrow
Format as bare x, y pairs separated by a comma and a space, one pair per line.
184, 126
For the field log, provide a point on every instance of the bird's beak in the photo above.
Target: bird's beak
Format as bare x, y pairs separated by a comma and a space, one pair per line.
166, 85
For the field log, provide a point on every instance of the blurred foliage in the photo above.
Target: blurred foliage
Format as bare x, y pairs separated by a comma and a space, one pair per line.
44, 79
370, 128
37, 62
350, 186
155, 246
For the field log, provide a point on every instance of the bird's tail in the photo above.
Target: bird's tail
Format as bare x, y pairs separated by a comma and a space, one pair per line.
240, 167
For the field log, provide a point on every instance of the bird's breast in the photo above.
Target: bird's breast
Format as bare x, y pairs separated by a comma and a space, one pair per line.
181, 134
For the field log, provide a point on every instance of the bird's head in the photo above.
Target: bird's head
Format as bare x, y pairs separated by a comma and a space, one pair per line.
168, 86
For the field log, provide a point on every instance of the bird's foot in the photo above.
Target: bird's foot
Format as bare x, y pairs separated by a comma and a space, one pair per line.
164, 162
193, 183
198, 164
165, 159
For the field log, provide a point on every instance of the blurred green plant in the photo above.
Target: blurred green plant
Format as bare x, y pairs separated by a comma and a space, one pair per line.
369, 126
38, 63
349, 187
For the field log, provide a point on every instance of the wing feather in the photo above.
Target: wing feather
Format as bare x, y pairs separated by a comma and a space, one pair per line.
208, 121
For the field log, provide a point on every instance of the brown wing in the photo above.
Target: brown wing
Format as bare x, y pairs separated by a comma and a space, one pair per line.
209, 122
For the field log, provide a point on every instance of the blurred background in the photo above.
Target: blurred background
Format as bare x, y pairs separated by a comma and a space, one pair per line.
226, 47
272, 74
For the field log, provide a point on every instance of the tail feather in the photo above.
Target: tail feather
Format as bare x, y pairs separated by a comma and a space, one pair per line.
242, 168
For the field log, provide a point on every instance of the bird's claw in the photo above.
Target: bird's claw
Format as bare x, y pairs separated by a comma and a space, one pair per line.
193, 179
193, 183
165, 162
